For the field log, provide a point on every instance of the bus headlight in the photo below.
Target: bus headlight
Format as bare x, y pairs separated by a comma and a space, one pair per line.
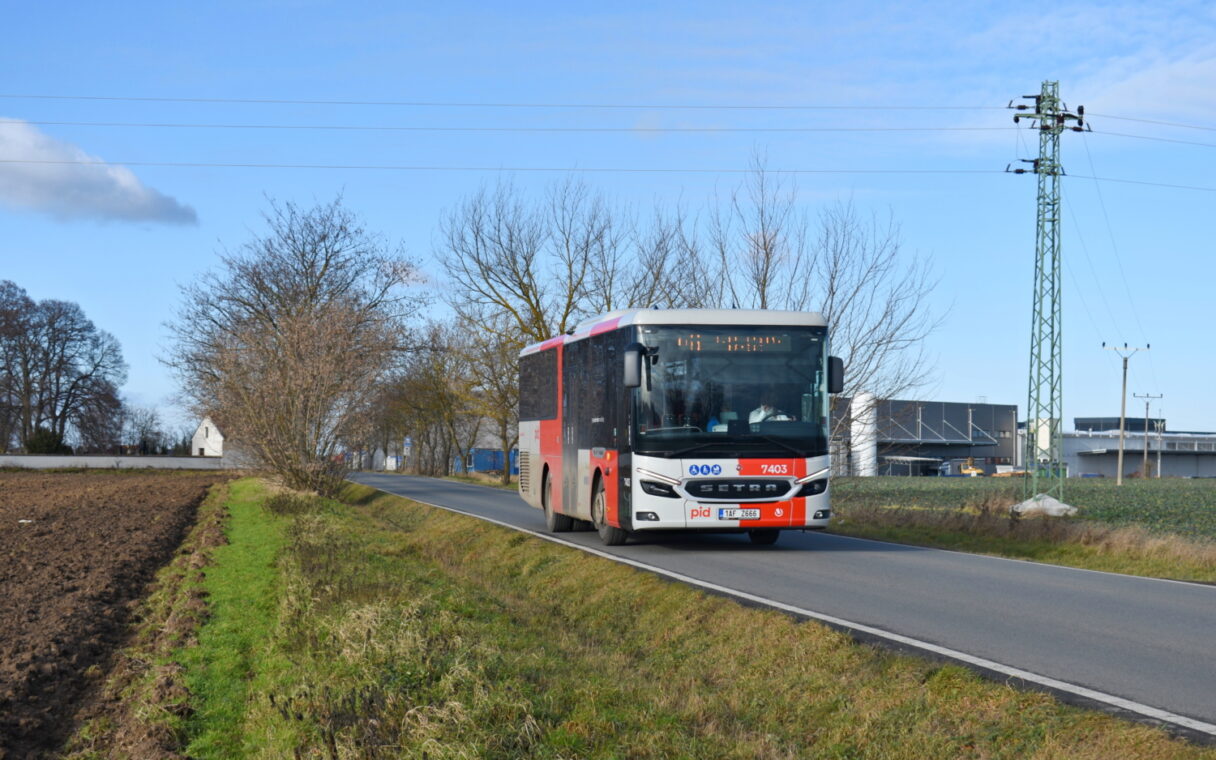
821, 514
654, 488
814, 488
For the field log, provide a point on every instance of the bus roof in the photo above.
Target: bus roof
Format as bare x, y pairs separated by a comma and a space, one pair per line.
625, 317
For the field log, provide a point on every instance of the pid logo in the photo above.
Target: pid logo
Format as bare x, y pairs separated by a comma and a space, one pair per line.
704, 469
699, 512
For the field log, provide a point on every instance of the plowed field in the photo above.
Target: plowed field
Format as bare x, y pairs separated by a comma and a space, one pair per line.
77, 551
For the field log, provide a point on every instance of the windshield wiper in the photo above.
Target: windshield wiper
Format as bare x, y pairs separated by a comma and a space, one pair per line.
775, 440
753, 440
698, 447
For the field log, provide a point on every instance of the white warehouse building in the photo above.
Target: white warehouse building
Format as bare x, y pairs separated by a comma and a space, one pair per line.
1093, 449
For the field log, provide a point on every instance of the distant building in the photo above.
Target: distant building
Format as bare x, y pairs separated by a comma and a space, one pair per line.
905, 437
485, 460
1093, 449
485, 455
207, 441
1099, 424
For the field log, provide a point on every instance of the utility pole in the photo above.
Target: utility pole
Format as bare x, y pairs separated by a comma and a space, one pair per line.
1160, 425
1126, 353
1147, 398
1044, 456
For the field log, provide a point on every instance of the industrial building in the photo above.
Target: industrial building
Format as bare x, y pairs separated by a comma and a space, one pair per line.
1093, 450
904, 437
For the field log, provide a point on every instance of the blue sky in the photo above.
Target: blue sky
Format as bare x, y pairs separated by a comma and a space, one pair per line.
1137, 257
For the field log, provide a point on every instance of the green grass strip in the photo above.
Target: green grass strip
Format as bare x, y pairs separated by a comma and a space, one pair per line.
243, 594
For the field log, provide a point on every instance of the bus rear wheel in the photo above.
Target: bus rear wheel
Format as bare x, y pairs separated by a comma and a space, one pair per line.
608, 534
556, 523
763, 536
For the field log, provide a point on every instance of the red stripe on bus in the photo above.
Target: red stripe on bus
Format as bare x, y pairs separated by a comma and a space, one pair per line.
604, 327
799, 511
784, 468
607, 465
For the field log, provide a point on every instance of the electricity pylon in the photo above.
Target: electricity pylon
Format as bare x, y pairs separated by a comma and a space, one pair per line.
1044, 455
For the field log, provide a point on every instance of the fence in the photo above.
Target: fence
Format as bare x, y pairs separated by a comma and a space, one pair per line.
49, 462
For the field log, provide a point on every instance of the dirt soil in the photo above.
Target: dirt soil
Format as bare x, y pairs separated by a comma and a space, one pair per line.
77, 550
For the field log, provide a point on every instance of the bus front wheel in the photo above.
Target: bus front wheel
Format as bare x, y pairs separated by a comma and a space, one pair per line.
609, 535
556, 523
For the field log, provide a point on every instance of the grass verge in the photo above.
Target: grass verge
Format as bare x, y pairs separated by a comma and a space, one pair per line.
243, 592
390, 629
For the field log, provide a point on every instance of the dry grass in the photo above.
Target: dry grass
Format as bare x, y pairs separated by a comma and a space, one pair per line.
493, 480
573, 656
987, 526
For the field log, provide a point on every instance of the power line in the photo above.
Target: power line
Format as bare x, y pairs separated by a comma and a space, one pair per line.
1155, 121
1131, 302
1156, 139
1110, 314
622, 106
647, 130
1145, 182
458, 104
576, 169
404, 167
391, 128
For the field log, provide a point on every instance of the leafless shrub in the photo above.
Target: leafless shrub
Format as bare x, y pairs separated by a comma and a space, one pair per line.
292, 338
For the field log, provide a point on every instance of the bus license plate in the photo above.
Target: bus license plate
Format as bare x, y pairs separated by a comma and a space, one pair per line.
734, 513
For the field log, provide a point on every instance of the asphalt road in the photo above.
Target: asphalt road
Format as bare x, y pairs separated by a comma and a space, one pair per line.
1138, 646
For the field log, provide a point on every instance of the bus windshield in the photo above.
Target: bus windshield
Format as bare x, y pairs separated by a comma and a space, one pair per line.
732, 392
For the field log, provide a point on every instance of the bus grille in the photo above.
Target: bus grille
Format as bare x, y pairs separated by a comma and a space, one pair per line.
738, 489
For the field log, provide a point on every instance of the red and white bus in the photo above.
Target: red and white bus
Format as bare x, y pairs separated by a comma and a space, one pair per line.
680, 419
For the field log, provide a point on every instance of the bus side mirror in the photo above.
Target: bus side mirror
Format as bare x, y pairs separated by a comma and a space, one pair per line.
633, 364
835, 374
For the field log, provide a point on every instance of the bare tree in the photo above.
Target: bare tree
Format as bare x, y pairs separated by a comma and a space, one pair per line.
852, 269
436, 398
873, 295
99, 423
495, 251
658, 263
293, 337
525, 272
492, 361
535, 270
16, 309
760, 241
142, 430
55, 366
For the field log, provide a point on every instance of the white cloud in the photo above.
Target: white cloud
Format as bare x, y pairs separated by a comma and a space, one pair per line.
60, 179
1157, 87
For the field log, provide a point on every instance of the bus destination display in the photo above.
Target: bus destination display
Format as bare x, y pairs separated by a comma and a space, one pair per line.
744, 343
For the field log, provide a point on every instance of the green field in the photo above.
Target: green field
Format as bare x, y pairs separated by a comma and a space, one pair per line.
1170, 505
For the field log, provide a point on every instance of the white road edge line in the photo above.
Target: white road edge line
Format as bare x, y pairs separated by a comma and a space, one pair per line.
953, 654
